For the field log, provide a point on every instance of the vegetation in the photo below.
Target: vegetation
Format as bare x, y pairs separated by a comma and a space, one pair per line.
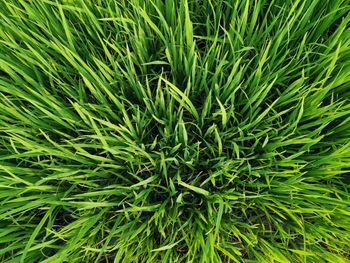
174, 131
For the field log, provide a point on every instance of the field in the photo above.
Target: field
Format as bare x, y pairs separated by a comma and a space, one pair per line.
174, 131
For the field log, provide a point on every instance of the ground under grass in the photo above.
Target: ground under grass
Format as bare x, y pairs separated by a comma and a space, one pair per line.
174, 131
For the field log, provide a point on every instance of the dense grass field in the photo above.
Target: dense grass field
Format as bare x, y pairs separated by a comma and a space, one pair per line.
174, 131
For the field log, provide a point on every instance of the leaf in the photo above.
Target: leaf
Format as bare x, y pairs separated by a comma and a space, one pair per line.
194, 188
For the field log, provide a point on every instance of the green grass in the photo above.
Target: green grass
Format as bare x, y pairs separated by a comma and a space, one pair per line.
174, 131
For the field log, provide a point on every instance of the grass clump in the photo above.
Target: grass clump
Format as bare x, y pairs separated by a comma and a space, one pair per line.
174, 131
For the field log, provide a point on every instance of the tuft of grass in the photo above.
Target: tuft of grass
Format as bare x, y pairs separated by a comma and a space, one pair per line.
174, 131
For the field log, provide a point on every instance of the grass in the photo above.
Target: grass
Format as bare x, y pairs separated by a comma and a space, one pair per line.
174, 131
